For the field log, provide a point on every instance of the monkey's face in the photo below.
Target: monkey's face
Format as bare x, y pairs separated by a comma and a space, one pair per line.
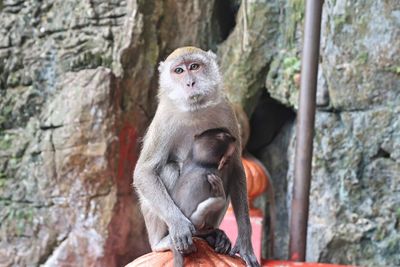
190, 80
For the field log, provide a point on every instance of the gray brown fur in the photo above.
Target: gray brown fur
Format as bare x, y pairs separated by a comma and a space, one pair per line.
199, 190
166, 146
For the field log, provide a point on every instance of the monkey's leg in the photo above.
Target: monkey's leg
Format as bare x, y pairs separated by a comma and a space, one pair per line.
211, 204
156, 228
157, 232
238, 193
166, 244
151, 187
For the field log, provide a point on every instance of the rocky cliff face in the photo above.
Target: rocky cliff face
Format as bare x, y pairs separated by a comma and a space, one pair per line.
354, 196
78, 85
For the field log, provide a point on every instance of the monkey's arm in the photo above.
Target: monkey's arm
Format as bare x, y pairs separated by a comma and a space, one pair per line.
152, 190
238, 192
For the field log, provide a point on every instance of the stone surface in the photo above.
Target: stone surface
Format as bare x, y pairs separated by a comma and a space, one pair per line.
354, 194
247, 52
353, 214
69, 129
63, 177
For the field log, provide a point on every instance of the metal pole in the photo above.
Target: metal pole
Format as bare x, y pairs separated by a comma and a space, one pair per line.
305, 131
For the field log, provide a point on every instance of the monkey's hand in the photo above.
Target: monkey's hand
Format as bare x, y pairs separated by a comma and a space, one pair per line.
244, 249
219, 241
217, 188
181, 232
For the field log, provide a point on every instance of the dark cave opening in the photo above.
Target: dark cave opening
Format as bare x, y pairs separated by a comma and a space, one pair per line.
268, 118
225, 17
382, 153
271, 128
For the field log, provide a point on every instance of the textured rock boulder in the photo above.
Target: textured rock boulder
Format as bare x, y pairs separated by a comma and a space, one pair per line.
354, 198
59, 204
354, 216
354, 195
63, 184
69, 129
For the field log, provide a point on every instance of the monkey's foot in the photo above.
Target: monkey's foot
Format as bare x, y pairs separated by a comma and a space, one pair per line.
219, 241
216, 185
246, 252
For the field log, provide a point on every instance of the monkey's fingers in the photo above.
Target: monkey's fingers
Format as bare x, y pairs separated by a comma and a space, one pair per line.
216, 184
187, 242
192, 248
249, 258
177, 244
181, 234
234, 251
222, 243
223, 246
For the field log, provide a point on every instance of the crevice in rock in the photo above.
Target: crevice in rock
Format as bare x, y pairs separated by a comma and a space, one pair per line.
49, 127
51, 248
225, 16
381, 154
266, 121
53, 158
271, 126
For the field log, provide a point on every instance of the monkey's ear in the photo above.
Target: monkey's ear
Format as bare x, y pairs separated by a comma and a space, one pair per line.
226, 157
229, 137
211, 54
161, 66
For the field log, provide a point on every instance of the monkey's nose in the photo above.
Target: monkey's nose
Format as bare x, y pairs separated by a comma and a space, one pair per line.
190, 84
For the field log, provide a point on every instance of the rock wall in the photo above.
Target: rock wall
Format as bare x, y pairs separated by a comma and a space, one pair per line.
354, 217
356, 161
78, 84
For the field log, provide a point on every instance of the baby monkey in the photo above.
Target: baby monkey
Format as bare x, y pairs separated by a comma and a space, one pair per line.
199, 191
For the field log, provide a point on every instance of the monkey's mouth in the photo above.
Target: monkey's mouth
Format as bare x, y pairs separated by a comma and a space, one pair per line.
195, 97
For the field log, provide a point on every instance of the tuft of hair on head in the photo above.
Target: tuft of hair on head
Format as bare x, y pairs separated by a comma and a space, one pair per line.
182, 51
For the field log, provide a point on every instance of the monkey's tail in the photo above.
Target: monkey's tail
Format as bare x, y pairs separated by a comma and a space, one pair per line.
272, 214
178, 258
272, 209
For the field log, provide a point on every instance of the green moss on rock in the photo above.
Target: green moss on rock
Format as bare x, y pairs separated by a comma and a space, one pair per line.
90, 60
295, 9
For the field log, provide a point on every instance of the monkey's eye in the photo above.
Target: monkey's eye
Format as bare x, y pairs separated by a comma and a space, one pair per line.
178, 70
194, 66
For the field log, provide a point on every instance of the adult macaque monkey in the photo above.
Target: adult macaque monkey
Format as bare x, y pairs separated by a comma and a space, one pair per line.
191, 101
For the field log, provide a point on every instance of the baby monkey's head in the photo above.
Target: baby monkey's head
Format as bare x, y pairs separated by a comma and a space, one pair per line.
213, 147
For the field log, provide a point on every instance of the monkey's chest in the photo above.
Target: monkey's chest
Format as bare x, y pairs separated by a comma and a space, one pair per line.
185, 132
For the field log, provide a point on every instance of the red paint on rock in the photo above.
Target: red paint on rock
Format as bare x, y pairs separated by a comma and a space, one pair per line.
126, 225
127, 158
